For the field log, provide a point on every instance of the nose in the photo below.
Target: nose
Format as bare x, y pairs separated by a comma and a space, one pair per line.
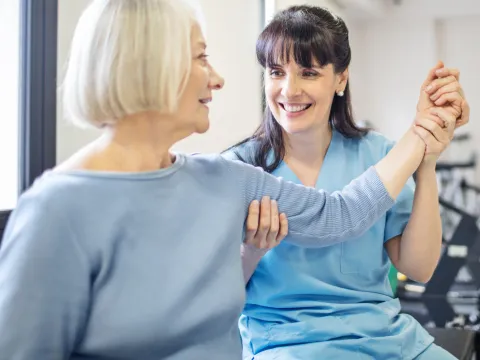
290, 87
216, 81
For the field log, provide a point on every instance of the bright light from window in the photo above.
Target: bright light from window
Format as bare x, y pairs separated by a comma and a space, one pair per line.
269, 10
9, 101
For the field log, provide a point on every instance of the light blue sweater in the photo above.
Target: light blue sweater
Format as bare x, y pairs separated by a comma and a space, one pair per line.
147, 266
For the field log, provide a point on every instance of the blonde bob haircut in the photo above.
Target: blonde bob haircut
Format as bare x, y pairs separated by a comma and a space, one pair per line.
126, 57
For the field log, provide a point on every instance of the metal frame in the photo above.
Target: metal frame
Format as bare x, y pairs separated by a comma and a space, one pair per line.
39, 89
38, 92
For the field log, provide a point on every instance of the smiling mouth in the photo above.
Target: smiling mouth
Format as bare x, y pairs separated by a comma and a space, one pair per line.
205, 101
294, 108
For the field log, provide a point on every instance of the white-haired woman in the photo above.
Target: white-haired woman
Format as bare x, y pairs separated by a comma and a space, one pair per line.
129, 251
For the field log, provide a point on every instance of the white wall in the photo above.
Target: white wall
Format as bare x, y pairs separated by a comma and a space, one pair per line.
235, 111
282, 4
391, 58
462, 49
389, 63
232, 29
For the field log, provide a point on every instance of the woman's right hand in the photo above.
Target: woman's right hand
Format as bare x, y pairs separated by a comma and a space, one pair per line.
435, 126
266, 228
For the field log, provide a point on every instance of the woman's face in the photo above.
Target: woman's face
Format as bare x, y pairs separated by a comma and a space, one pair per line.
300, 98
203, 79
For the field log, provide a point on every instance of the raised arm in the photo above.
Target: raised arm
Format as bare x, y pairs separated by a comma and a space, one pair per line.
318, 219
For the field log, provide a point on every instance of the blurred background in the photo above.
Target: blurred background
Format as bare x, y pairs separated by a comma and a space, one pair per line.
394, 44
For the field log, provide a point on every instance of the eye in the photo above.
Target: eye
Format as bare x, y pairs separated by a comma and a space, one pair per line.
275, 73
203, 57
310, 73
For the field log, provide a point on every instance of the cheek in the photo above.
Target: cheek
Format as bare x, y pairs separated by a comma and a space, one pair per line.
271, 94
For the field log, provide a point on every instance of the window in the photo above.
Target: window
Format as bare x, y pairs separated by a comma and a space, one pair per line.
9, 102
28, 34
269, 11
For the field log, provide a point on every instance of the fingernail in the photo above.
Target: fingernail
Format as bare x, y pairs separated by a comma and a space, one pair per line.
428, 88
274, 202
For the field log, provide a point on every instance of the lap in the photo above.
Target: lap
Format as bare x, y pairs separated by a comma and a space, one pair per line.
435, 352
432, 352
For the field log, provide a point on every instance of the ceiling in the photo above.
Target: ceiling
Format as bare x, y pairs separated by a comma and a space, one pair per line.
365, 9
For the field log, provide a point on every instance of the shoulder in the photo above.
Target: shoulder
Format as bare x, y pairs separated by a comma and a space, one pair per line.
216, 165
374, 144
51, 197
244, 152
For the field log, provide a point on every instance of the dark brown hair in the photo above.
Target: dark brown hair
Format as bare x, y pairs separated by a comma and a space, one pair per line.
307, 32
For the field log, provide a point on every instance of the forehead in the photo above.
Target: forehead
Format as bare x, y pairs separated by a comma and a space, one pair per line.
198, 39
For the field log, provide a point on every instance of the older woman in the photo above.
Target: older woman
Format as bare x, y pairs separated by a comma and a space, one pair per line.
130, 251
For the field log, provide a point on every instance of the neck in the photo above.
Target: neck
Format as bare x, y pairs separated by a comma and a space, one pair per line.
140, 142
309, 147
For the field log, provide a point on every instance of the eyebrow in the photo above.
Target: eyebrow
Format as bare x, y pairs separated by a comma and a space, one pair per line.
312, 67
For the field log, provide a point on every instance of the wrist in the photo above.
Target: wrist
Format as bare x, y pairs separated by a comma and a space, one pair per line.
428, 165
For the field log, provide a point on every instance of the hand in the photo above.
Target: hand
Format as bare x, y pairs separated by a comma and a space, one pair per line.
265, 228
435, 126
442, 88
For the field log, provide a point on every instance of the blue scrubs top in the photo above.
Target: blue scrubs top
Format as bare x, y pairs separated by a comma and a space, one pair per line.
334, 302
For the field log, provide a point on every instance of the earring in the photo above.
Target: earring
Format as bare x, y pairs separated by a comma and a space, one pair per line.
340, 93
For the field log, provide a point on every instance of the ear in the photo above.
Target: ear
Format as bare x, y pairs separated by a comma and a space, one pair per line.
342, 80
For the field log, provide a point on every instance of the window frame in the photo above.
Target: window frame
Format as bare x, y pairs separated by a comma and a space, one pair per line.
37, 93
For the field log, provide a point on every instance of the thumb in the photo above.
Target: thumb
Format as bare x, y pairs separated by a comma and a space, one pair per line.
432, 74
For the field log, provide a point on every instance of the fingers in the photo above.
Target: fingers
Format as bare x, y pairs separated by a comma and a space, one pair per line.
436, 87
444, 72
432, 74
283, 227
432, 145
465, 114
265, 227
448, 118
451, 97
252, 221
265, 222
430, 123
274, 225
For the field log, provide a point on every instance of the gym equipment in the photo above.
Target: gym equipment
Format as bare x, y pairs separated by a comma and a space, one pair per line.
444, 301
462, 344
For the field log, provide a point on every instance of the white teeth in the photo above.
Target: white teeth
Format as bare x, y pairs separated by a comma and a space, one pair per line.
205, 101
294, 108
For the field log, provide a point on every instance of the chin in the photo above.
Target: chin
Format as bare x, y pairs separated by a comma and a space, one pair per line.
294, 127
202, 126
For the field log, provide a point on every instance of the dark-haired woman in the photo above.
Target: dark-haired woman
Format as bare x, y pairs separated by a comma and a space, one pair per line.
336, 302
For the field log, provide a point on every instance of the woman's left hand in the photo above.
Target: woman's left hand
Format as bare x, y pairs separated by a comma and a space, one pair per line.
435, 126
442, 88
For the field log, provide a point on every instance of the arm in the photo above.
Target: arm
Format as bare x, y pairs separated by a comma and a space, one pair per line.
44, 284
417, 251
318, 219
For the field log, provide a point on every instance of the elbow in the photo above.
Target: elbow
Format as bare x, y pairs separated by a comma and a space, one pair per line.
422, 277
421, 274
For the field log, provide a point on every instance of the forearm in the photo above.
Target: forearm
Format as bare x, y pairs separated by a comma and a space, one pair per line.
401, 162
251, 256
421, 241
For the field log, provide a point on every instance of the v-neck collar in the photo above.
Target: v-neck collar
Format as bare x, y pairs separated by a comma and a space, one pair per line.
285, 172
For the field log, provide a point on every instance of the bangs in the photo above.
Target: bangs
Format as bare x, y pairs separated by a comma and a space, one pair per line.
297, 36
